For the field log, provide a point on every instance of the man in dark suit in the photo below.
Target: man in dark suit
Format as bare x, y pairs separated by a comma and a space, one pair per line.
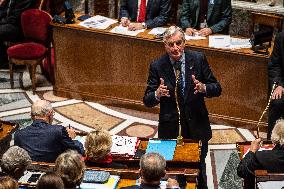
205, 17
152, 169
271, 160
198, 82
43, 141
153, 14
276, 75
10, 22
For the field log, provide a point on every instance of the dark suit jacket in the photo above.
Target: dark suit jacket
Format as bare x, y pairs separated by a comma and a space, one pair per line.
157, 11
271, 160
194, 115
12, 14
276, 65
142, 186
45, 142
219, 15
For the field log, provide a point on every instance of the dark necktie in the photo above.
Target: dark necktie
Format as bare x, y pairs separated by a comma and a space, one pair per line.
180, 79
142, 11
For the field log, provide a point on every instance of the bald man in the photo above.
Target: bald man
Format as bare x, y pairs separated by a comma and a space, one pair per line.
43, 141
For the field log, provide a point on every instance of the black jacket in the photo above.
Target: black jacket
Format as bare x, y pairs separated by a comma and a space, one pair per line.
45, 142
194, 113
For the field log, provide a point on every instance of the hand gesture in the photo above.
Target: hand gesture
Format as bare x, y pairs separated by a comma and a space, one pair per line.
277, 94
71, 132
172, 183
254, 146
162, 90
190, 31
199, 87
135, 26
205, 32
124, 22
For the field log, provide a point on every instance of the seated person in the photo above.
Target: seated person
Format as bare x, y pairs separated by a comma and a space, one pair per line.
97, 146
270, 160
70, 167
10, 22
50, 181
206, 17
44, 141
7, 182
276, 75
152, 169
15, 162
147, 13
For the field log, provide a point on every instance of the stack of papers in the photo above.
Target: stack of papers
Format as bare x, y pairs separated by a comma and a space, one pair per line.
194, 37
157, 31
124, 31
227, 42
124, 145
110, 184
98, 22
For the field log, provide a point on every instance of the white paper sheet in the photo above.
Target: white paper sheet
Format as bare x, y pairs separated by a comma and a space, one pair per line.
124, 30
219, 41
194, 37
98, 22
157, 31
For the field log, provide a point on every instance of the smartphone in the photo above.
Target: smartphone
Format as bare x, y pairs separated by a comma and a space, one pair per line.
34, 178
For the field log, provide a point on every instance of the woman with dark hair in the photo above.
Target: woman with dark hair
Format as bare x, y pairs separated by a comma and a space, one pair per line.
50, 181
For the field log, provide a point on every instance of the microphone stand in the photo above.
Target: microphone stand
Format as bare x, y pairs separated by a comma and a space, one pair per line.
266, 108
179, 138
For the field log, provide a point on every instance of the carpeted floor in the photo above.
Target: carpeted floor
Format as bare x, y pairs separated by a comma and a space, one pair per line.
15, 105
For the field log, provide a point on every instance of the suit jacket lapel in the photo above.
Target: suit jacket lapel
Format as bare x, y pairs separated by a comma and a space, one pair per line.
189, 71
148, 8
169, 73
210, 9
197, 12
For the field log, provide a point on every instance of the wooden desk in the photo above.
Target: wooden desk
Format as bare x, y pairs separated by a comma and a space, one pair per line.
6, 131
128, 177
112, 69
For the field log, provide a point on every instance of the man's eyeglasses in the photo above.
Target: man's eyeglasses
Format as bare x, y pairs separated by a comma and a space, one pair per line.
177, 43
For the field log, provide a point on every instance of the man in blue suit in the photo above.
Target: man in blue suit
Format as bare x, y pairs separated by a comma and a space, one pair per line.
156, 13
198, 82
206, 16
45, 142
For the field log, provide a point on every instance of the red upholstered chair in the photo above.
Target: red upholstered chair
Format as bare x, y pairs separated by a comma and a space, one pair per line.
37, 32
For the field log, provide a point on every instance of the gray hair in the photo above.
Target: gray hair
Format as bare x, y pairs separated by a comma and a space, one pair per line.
15, 157
171, 31
277, 135
152, 166
70, 167
41, 108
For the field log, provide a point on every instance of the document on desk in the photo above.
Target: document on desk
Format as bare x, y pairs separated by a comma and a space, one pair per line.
271, 185
110, 184
98, 22
194, 37
219, 41
238, 43
164, 147
124, 31
157, 31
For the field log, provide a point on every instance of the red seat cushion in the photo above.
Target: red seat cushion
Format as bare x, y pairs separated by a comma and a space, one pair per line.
27, 51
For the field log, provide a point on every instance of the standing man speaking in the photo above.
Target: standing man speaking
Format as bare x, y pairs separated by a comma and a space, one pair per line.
196, 81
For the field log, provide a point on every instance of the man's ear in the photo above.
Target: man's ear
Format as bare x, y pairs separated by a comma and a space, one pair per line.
18, 172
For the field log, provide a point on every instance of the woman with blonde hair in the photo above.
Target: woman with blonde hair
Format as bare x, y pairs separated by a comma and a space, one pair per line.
7, 182
97, 150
